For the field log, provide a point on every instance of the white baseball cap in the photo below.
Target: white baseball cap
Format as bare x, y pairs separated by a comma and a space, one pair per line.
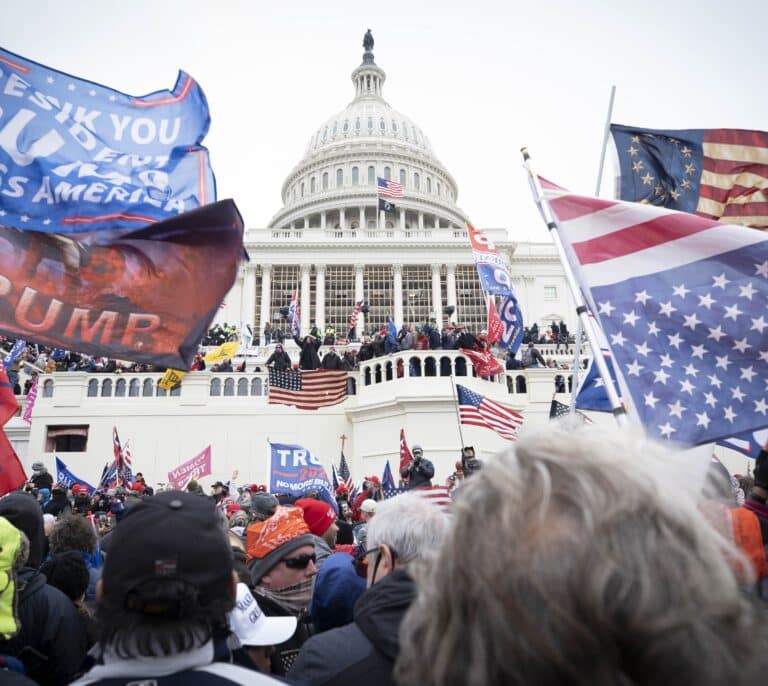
368, 505
252, 627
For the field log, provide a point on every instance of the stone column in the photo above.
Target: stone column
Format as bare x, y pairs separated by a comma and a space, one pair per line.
306, 303
342, 219
248, 301
322, 220
450, 281
363, 225
320, 296
266, 295
397, 315
437, 301
359, 295
421, 221
402, 219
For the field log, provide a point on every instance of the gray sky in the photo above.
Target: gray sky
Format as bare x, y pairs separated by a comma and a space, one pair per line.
481, 79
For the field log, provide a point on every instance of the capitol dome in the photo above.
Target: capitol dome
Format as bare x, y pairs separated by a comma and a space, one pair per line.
334, 184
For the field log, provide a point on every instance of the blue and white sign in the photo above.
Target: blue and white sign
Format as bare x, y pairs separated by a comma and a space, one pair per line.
78, 156
64, 476
296, 471
512, 321
13, 354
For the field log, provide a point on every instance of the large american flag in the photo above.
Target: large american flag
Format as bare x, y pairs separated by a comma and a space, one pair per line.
716, 173
389, 189
439, 496
477, 410
682, 300
307, 390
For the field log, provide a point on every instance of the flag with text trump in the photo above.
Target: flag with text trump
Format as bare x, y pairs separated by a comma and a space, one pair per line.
715, 173
78, 156
682, 300
296, 471
477, 410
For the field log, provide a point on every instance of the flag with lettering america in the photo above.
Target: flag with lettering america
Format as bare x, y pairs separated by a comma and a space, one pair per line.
682, 300
715, 173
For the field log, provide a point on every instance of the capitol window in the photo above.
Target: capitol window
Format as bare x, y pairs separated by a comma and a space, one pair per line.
416, 182
312, 185
339, 178
382, 125
302, 189
387, 173
355, 176
335, 127
357, 124
429, 185
394, 126
370, 123
67, 438
325, 181
403, 177
371, 175
346, 125
550, 292
438, 188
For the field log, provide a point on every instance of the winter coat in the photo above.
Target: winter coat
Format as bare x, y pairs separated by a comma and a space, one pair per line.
42, 480
331, 361
281, 360
308, 359
419, 474
51, 627
337, 588
365, 352
365, 651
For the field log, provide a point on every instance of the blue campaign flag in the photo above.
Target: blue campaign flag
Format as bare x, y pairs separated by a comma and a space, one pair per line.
64, 476
512, 320
388, 487
296, 471
58, 354
78, 156
392, 328
15, 351
749, 443
592, 394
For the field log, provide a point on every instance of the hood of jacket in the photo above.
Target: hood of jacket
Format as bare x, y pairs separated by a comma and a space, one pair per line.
381, 609
24, 512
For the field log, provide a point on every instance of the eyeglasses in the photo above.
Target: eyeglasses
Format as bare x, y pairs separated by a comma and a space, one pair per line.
300, 561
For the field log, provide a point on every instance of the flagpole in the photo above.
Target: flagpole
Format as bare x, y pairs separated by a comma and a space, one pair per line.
456, 407
606, 134
581, 309
576, 367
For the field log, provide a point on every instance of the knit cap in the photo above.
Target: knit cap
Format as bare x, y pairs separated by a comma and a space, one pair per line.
317, 514
270, 541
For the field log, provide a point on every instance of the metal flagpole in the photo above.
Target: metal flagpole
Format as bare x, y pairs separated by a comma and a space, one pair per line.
456, 404
606, 134
581, 308
576, 367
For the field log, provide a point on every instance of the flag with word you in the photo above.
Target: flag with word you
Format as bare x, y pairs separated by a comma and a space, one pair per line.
296, 471
715, 173
388, 487
78, 156
307, 390
682, 300
146, 295
66, 477
194, 468
389, 189
477, 410
483, 361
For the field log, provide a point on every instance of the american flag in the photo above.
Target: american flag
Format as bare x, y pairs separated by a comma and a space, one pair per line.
307, 390
558, 409
477, 410
682, 301
352, 323
716, 173
389, 189
439, 496
345, 475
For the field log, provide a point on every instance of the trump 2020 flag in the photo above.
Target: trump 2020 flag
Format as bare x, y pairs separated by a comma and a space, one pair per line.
682, 301
296, 471
78, 156
716, 173
491, 267
66, 477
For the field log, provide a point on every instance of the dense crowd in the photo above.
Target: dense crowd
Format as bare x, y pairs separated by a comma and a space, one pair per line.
579, 556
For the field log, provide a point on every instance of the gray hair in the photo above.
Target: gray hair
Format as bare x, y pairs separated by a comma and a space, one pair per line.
574, 558
409, 524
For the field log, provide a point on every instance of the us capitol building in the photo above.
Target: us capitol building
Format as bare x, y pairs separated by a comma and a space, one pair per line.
330, 243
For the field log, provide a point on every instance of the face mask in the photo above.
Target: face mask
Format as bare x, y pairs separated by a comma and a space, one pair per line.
294, 598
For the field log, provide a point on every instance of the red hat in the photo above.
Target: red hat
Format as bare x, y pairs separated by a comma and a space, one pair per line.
232, 508
136, 486
375, 479
80, 489
318, 515
257, 488
342, 489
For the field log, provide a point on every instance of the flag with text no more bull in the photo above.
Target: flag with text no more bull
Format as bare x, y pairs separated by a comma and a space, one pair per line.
296, 471
78, 156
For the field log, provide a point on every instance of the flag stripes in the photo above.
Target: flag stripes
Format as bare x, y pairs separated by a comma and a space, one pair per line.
307, 390
477, 410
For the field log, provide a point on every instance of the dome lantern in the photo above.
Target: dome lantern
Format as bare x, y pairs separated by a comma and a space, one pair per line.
369, 77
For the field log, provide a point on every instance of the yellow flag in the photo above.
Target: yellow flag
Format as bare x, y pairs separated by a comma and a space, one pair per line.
171, 378
226, 351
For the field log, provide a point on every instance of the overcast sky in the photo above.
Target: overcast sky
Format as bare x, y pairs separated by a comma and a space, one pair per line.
481, 79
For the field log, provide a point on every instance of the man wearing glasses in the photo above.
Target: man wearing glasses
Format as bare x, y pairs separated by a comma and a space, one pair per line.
405, 528
281, 559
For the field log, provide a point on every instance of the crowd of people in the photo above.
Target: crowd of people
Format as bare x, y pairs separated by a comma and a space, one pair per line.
578, 556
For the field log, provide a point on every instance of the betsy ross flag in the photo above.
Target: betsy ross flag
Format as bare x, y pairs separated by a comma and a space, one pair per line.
682, 301
389, 189
715, 173
477, 410
307, 390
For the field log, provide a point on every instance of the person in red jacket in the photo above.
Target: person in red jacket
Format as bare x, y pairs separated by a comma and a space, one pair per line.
371, 489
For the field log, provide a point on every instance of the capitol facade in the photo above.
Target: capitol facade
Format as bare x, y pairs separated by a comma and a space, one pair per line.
330, 244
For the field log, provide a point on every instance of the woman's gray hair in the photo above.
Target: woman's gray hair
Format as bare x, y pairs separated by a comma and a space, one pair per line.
579, 557
409, 524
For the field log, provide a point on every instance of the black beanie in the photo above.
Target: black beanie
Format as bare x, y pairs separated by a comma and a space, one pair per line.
24, 512
67, 572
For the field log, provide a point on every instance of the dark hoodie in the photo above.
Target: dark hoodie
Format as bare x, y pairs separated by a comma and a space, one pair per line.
52, 641
364, 651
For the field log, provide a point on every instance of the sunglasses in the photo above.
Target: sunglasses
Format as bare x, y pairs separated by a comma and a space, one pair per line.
300, 561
